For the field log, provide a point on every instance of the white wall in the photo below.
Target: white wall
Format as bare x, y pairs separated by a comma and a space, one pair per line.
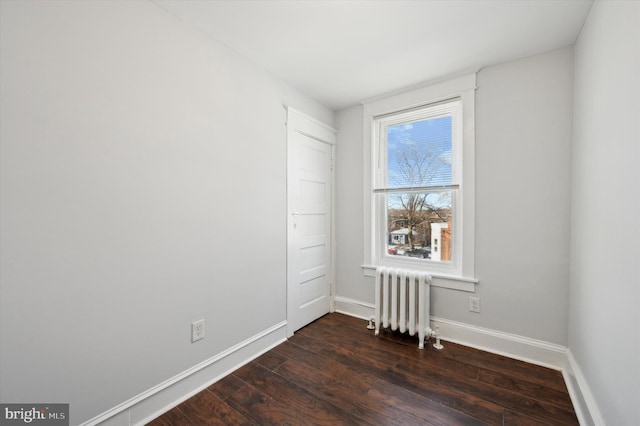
604, 332
523, 140
142, 188
350, 281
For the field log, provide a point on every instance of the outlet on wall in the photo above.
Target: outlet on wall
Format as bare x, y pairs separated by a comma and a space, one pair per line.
197, 330
474, 304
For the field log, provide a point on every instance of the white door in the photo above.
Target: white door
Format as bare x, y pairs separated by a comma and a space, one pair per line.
309, 239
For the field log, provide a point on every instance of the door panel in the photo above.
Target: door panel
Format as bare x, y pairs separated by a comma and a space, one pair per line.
309, 193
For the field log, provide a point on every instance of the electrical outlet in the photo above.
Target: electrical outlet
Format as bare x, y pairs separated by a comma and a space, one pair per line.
197, 330
474, 304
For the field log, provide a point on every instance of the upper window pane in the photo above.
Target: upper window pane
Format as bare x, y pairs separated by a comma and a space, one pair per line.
419, 153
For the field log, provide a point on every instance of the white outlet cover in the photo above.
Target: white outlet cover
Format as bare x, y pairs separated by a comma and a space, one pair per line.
197, 330
474, 304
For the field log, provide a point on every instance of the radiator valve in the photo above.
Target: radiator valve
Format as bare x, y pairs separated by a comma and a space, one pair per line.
436, 334
371, 326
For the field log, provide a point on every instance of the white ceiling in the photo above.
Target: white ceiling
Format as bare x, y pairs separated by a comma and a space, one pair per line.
341, 52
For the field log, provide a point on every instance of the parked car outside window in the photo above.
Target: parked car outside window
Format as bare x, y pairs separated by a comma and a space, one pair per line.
422, 253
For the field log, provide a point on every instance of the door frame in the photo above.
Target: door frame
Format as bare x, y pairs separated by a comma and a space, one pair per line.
299, 122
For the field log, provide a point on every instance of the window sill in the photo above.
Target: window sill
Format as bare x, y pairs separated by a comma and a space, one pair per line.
437, 280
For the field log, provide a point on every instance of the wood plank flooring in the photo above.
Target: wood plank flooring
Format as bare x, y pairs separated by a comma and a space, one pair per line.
336, 372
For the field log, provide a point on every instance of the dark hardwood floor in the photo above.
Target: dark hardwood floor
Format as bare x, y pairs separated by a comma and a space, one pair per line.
336, 372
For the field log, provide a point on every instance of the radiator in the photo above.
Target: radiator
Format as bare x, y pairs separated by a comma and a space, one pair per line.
402, 302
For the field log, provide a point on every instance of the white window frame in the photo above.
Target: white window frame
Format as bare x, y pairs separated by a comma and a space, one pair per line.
459, 273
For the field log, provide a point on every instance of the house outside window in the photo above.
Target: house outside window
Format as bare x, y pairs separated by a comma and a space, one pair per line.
421, 182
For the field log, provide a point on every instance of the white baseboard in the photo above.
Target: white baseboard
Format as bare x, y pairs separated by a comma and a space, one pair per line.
353, 307
583, 401
511, 345
533, 351
155, 401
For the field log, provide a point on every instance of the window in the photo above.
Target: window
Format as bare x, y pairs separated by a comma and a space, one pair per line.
421, 180
416, 180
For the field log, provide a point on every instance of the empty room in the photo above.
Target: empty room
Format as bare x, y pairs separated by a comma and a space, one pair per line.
319, 212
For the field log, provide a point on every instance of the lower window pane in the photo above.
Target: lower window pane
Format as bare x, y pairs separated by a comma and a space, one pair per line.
419, 225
